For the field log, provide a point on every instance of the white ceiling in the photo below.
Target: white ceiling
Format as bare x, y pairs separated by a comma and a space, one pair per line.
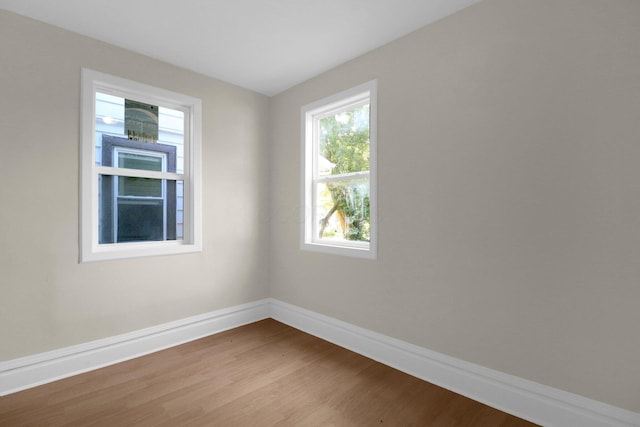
263, 45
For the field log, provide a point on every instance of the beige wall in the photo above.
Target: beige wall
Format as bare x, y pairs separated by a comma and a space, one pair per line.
509, 191
47, 299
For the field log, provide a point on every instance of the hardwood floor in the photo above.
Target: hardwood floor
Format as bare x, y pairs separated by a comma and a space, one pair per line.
263, 374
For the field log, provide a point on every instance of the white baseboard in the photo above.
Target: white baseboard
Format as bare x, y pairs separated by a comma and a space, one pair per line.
535, 402
26, 372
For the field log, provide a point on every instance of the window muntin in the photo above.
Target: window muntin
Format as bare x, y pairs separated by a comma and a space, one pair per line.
339, 173
140, 196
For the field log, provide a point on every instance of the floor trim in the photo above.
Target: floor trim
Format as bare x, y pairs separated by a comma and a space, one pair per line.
532, 401
30, 371
535, 402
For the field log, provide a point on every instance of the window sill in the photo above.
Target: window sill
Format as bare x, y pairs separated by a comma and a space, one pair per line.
138, 250
335, 248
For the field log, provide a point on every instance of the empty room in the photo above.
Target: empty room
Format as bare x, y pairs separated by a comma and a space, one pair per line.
329, 213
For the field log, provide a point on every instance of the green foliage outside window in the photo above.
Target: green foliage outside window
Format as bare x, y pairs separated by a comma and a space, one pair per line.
344, 142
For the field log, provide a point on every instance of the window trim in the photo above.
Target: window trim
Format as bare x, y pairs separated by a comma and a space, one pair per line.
90, 249
309, 113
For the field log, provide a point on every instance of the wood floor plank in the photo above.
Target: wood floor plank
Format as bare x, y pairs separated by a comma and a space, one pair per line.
263, 374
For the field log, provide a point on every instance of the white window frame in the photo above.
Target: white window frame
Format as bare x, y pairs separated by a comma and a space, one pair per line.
90, 248
311, 114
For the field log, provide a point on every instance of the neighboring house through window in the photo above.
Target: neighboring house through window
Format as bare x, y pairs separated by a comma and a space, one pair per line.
339, 173
140, 180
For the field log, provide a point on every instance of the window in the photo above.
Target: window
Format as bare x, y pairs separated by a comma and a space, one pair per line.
339, 172
140, 170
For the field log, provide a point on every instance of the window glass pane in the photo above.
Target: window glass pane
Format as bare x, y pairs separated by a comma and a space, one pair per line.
171, 123
139, 187
140, 220
343, 210
139, 161
344, 142
110, 120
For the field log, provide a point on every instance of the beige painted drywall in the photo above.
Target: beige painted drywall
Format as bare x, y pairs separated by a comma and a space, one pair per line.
47, 299
509, 194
